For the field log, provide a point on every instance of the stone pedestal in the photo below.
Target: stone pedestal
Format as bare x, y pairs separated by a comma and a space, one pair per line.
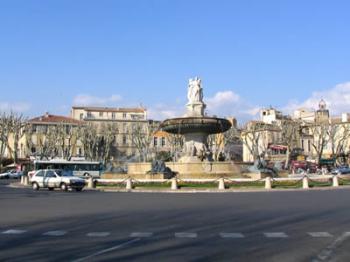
195, 109
195, 147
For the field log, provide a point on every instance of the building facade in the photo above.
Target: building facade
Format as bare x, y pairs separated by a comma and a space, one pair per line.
130, 124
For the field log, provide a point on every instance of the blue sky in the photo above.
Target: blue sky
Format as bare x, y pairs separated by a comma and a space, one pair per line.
249, 54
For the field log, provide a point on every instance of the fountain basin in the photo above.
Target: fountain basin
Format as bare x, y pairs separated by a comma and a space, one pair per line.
187, 125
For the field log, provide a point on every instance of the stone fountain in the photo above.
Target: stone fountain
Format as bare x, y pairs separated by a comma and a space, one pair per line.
195, 126
196, 158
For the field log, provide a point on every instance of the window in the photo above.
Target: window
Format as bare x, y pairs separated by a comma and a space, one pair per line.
124, 140
113, 115
124, 115
155, 141
101, 114
33, 149
302, 143
81, 116
50, 174
40, 174
89, 115
309, 145
163, 141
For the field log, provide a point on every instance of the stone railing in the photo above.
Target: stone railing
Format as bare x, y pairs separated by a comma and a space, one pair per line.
268, 183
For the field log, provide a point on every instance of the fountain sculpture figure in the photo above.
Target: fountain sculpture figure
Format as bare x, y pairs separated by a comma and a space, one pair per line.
195, 126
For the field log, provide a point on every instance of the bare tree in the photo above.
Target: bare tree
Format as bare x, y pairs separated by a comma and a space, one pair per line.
338, 135
11, 126
89, 140
257, 136
142, 137
5, 129
320, 132
218, 143
46, 142
67, 139
107, 139
176, 142
290, 131
98, 142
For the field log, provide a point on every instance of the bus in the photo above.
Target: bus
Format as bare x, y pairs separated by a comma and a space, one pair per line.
77, 168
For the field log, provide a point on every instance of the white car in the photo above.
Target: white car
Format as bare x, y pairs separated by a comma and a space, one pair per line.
11, 174
56, 179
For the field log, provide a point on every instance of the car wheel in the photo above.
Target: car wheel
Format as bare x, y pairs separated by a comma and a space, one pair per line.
35, 186
79, 189
64, 187
51, 188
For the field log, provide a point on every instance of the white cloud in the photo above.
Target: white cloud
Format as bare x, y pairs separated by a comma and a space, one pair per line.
88, 100
162, 111
227, 103
222, 98
19, 107
337, 99
223, 104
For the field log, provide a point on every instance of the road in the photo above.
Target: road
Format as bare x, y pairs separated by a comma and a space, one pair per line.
99, 226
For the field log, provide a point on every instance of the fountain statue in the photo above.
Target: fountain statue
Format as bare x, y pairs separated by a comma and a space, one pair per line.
195, 126
195, 159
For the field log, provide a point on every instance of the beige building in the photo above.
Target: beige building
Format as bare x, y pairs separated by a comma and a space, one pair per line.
318, 134
40, 137
257, 137
130, 122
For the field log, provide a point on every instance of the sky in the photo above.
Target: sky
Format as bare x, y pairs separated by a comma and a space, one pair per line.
249, 54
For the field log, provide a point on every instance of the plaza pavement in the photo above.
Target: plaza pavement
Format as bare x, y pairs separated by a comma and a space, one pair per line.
308, 225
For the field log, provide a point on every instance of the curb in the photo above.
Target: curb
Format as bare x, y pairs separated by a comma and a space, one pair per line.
189, 191
193, 191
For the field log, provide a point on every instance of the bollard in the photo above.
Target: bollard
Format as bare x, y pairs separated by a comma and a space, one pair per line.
22, 179
129, 184
221, 184
174, 183
26, 181
335, 181
305, 182
91, 183
268, 183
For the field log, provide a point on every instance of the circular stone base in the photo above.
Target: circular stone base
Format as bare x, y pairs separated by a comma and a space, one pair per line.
198, 169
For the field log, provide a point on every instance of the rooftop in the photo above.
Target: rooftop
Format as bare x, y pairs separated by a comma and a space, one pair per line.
111, 109
47, 118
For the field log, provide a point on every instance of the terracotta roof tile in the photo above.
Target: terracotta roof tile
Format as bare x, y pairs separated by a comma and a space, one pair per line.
47, 118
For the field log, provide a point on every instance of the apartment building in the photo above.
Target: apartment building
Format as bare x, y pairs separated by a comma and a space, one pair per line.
129, 123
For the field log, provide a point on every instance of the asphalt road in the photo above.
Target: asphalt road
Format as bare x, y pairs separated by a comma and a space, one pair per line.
97, 226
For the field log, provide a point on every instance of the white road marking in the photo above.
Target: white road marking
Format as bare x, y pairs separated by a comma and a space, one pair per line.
98, 234
107, 250
141, 234
231, 235
276, 235
57, 233
186, 235
327, 253
14, 232
320, 234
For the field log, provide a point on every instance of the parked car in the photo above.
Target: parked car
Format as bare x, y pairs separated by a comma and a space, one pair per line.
341, 170
11, 174
52, 179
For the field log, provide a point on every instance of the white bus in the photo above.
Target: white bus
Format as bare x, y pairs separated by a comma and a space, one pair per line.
77, 168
